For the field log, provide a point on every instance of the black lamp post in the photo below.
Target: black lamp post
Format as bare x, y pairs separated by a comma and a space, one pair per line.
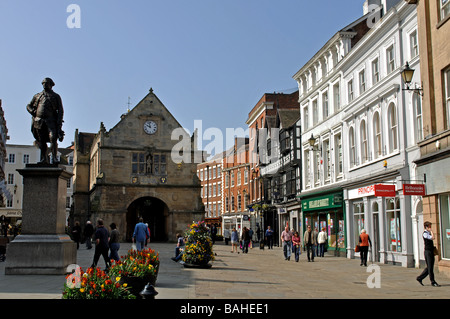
312, 143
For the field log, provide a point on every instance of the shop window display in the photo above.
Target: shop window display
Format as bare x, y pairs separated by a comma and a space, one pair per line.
358, 218
444, 205
393, 224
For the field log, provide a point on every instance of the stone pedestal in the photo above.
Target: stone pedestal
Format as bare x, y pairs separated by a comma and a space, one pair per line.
43, 247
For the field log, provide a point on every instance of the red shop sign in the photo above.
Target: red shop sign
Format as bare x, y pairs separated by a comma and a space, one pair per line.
385, 190
414, 189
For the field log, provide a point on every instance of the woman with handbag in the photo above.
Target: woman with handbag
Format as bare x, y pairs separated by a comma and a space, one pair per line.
364, 242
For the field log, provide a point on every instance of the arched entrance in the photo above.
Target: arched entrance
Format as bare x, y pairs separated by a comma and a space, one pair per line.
154, 212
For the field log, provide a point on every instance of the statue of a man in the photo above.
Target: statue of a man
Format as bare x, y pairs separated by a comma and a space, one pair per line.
47, 111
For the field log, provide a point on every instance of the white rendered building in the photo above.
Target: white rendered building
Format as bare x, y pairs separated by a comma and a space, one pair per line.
365, 129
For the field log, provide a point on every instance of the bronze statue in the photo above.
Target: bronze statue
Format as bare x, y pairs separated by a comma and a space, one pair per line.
47, 117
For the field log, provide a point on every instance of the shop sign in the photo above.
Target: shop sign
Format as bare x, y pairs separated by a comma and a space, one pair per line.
414, 189
11, 213
372, 190
384, 190
324, 202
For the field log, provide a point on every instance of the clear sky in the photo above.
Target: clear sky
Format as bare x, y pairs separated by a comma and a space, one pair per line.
209, 60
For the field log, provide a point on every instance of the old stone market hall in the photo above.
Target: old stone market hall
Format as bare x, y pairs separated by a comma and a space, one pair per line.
128, 172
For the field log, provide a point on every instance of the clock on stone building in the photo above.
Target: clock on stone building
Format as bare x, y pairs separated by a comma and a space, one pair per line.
150, 127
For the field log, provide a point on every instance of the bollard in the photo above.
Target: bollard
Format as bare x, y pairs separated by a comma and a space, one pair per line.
148, 292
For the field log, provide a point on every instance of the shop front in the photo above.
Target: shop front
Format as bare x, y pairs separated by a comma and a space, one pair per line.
436, 203
380, 209
10, 221
238, 221
327, 212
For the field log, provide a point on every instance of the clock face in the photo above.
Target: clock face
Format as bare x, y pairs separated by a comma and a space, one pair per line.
150, 127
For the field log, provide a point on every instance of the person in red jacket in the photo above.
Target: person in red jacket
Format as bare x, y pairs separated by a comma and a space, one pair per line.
364, 242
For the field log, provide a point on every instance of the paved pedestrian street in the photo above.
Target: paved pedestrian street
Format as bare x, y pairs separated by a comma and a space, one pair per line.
260, 274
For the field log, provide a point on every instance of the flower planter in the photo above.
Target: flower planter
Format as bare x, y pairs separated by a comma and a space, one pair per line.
198, 250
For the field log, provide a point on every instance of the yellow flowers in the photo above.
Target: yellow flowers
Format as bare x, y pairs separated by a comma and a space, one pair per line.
117, 279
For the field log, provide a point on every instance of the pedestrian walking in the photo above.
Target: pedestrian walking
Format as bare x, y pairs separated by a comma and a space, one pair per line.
88, 232
316, 245
269, 237
309, 240
429, 253
76, 233
147, 236
114, 243
245, 240
140, 234
364, 242
322, 241
286, 243
296, 245
250, 234
234, 240
213, 233
101, 237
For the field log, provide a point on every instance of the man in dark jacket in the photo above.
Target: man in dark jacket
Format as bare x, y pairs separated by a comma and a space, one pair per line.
245, 240
428, 237
88, 232
101, 244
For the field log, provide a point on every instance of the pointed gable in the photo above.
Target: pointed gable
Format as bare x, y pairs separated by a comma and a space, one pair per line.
149, 112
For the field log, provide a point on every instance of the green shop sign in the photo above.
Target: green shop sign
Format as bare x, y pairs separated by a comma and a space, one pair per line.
322, 202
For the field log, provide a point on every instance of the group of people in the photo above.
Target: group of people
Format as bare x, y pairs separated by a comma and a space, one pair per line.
314, 243
105, 241
244, 242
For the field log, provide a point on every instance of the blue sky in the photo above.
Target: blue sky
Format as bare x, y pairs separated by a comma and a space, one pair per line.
206, 60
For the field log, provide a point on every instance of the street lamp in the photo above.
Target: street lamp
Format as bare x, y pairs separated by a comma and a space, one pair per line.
312, 143
407, 76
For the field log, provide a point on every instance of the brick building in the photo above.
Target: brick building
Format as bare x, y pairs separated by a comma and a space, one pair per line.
210, 176
263, 113
235, 191
434, 48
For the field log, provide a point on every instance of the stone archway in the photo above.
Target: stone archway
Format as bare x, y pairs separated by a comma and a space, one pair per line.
154, 212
